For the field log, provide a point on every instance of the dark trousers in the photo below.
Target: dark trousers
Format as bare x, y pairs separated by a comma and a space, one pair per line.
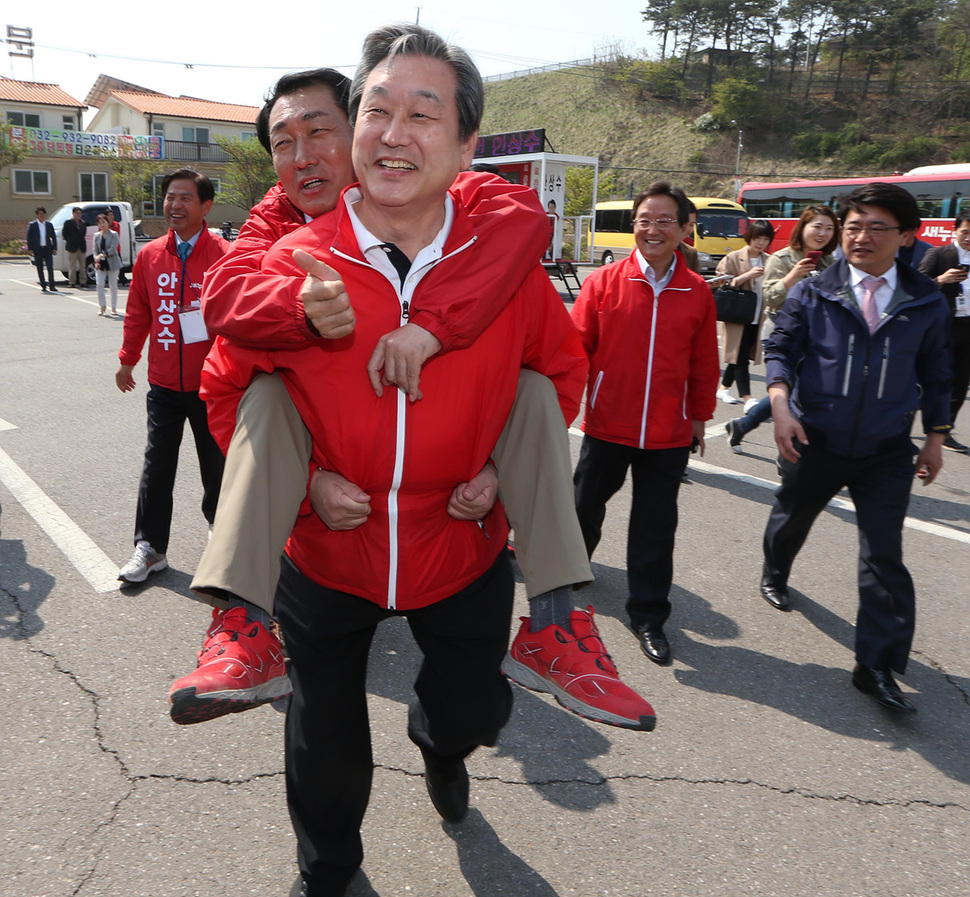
463, 700
879, 486
738, 370
961, 365
168, 410
657, 475
44, 257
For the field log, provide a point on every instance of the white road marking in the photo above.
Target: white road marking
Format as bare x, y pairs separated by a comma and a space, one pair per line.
923, 526
6, 425
89, 560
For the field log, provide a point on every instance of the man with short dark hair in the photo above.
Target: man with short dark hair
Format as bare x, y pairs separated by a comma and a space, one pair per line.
42, 244
948, 266
75, 234
164, 308
854, 353
649, 329
417, 104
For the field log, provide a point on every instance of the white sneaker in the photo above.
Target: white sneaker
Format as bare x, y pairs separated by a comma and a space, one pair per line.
145, 560
725, 396
750, 404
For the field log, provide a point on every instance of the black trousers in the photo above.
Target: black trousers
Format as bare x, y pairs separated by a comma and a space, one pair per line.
657, 475
880, 487
738, 370
961, 365
44, 257
463, 700
168, 410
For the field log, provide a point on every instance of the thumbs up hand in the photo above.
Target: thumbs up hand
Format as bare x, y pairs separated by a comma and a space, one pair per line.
325, 301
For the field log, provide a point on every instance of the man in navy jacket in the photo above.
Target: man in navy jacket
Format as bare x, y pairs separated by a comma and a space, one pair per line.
42, 244
870, 340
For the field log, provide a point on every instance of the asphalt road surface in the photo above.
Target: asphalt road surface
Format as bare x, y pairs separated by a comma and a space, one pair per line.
767, 774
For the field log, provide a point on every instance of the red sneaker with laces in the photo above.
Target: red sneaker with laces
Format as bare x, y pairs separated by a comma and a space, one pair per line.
241, 666
576, 670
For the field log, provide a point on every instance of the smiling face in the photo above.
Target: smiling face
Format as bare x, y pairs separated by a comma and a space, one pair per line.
657, 244
817, 233
871, 251
310, 139
184, 213
407, 144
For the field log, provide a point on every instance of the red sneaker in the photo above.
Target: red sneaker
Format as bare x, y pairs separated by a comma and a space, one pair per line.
241, 666
575, 669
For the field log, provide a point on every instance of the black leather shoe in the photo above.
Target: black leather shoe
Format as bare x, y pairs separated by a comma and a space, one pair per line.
881, 686
776, 596
447, 783
654, 644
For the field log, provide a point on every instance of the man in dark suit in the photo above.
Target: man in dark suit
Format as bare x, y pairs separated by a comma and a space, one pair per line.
42, 244
75, 233
869, 340
948, 265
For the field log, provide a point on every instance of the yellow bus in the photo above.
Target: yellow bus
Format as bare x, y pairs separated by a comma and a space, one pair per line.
720, 229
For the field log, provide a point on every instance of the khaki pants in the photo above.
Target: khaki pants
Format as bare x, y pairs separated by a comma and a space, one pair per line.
77, 260
265, 481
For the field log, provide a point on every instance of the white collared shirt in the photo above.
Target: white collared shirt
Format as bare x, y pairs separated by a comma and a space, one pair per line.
883, 295
191, 240
373, 248
42, 228
647, 271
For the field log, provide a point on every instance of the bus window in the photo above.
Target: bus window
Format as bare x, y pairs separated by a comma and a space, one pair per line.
721, 224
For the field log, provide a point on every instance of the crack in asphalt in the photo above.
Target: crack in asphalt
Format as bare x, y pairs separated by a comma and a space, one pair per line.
947, 676
605, 780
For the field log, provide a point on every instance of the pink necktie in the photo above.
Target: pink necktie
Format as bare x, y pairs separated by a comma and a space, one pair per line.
869, 310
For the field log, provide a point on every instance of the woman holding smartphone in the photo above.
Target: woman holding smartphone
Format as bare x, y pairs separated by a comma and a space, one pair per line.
809, 251
740, 341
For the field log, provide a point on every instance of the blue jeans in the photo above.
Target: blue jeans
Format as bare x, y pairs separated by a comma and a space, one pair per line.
755, 417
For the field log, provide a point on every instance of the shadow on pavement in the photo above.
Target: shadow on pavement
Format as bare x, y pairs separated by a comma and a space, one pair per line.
24, 588
489, 867
536, 723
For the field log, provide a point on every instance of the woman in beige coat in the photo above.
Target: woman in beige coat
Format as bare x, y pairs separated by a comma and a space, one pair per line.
740, 341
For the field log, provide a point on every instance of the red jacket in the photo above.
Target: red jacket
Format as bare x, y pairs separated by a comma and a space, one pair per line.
653, 363
242, 303
155, 298
408, 458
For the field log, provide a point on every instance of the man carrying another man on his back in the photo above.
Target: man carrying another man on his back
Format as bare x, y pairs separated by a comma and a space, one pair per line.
417, 103
305, 128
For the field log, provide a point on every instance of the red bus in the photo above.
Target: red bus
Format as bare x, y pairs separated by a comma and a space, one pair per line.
941, 192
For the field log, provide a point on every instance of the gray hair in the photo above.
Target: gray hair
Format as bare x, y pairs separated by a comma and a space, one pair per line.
413, 40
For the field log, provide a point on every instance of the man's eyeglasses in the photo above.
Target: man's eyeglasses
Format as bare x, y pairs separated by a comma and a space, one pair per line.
874, 230
662, 223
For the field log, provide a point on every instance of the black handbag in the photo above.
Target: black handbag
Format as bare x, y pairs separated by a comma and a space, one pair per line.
736, 306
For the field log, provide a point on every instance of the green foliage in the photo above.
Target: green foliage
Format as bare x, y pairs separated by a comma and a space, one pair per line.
9, 155
249, 173
660, 80
738, 100
579, 189
855, 148
131, 177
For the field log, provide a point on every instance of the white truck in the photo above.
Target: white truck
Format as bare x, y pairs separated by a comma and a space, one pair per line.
89, 212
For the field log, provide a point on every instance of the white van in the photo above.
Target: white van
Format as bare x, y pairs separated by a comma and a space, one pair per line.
89, 214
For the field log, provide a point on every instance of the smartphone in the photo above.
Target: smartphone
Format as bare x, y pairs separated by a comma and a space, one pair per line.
814, 254
964, 268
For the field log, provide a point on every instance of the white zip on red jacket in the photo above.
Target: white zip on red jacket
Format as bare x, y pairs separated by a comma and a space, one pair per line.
653, 358
408, 458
